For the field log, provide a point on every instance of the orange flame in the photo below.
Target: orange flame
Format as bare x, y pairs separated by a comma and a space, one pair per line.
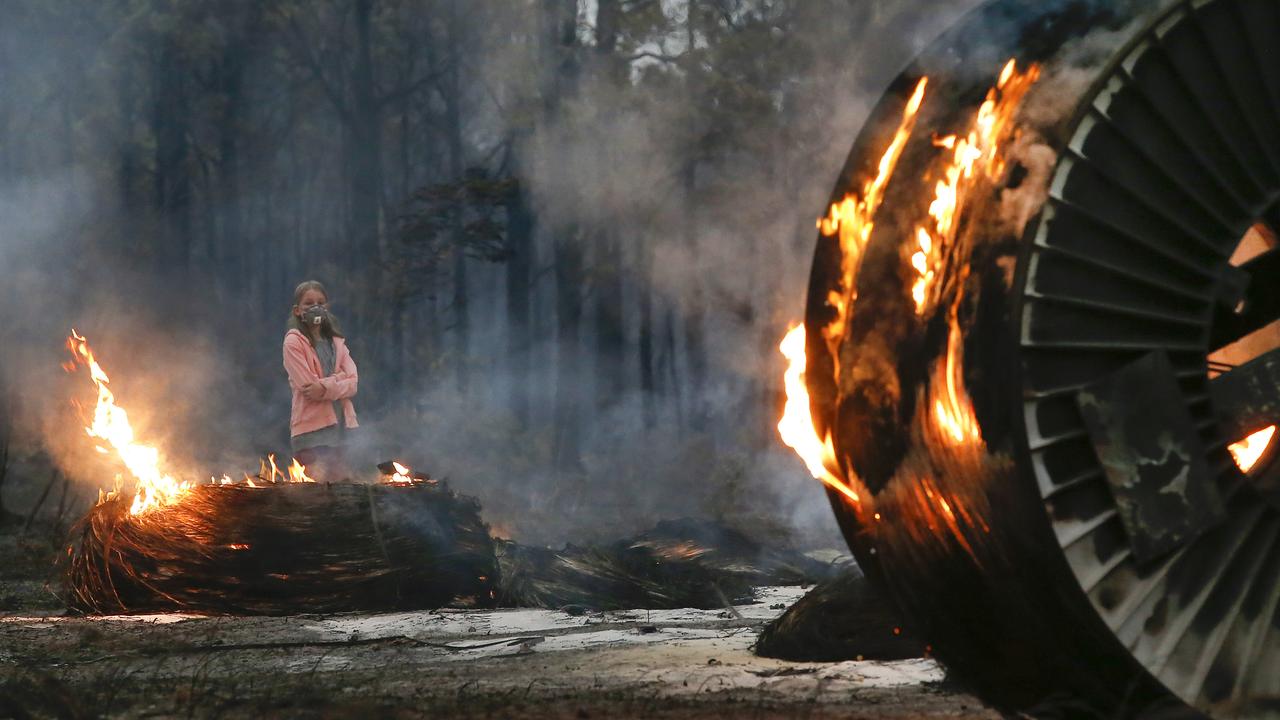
952, 408
796, 426
298, 472
111, 423
275, 471
978, 149
1249, 451
853, 219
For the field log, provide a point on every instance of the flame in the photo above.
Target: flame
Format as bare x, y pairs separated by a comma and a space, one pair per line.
853, 219
979, 150
275, 471
297, 472
154, 487
1249, 451
952, 408
110, 423
796, 426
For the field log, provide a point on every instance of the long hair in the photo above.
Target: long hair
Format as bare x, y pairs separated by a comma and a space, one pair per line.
330, 329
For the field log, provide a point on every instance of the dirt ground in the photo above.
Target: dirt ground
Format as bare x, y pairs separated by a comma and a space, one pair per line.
441, 664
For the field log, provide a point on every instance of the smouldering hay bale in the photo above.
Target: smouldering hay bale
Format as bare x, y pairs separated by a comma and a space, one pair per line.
678, 564
843, 618
285, 548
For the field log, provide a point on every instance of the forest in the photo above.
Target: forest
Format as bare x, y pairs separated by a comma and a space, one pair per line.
564, 237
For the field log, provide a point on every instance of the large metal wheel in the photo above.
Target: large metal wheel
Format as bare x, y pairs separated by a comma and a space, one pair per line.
1026, 397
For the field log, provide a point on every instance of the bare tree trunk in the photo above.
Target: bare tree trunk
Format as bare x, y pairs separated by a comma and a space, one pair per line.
567, 251
610, 334
170, 126
55, 529
568, 271
35, 509
610, 371
648, 384
453, 128
694, 310
231, 86
520, 233
6, 439
365, 154
670, 369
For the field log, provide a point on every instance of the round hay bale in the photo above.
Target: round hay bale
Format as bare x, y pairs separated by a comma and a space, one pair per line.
285, 548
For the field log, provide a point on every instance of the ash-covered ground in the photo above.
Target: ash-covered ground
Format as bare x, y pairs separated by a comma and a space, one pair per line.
481, 664
445, 663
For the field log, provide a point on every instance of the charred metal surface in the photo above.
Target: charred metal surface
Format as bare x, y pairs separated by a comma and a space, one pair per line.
1258, 306
1152, 456
1247, 399
1140, 158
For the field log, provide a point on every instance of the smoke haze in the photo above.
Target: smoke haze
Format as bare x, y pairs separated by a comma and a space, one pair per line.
179, 271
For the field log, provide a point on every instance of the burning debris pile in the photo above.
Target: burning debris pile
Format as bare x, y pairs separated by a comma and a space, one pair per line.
273, 543
286, 548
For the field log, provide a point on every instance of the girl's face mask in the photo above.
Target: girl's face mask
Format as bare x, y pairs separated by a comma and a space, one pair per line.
315, 316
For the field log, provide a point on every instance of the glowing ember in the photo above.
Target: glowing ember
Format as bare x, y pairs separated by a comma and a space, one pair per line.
1247, 452
402, 475
853, 219
796, 426
978, 150
111, 423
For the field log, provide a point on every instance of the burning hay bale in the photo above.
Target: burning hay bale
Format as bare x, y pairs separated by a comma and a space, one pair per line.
285, 548
678, 564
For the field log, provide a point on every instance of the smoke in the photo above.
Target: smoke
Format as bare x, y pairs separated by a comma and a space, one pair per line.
194, 356
614, 155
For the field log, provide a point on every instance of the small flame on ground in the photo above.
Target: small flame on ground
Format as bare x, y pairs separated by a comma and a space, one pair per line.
298, 472
275, 471
796, 426
979, 149
1249, 451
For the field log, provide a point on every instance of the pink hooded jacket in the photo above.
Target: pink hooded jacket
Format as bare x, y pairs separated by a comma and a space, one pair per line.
303, 366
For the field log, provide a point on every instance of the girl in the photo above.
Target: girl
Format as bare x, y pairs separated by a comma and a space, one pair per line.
323, 378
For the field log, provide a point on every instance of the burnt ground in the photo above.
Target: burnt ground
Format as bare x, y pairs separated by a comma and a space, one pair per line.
441, 664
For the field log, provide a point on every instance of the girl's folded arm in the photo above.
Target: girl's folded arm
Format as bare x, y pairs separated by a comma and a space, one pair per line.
296, 365
344, 382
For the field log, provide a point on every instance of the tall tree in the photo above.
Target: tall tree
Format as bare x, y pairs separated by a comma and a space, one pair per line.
561, 40
452, 92
694, 310
171, 174
607, 292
